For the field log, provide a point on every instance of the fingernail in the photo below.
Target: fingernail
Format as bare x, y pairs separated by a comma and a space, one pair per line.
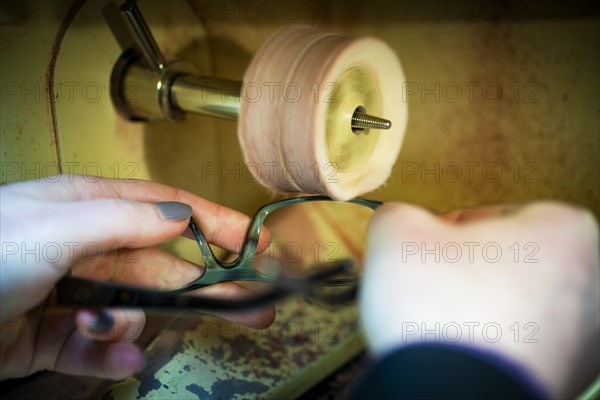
174, 211
103, 322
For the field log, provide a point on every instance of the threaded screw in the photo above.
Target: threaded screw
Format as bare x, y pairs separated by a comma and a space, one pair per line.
362, 121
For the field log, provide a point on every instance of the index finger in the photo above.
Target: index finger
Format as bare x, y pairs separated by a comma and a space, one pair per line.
220, 225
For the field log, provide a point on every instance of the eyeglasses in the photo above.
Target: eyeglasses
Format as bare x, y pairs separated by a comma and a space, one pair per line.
327, 272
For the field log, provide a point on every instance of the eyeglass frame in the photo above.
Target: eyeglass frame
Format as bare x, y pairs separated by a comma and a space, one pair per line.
86, 293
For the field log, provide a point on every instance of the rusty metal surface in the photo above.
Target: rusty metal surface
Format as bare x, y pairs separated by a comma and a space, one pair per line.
208, 357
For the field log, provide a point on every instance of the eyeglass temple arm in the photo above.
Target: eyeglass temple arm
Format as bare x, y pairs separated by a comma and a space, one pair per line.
85, 293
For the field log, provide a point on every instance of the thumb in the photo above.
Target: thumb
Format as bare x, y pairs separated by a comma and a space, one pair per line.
396, 223
94, 227
65, 232
395, 231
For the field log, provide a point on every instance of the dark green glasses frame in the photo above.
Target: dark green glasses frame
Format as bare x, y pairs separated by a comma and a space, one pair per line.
85, 293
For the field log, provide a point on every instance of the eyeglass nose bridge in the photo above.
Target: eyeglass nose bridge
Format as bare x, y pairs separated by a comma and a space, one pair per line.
240, 269
247, 254
219, 274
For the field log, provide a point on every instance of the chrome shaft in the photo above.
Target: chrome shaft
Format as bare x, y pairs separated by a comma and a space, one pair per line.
171, 90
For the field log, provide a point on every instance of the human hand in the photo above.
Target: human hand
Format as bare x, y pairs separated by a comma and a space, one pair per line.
522, 282
100, 229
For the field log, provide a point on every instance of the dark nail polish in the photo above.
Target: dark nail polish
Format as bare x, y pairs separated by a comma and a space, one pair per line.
103, 322
174, 211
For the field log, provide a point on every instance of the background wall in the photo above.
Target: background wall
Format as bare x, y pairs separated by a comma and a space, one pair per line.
503, 96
